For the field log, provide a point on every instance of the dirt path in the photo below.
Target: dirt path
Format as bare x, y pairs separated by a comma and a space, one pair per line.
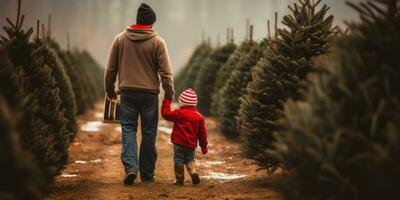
95, 170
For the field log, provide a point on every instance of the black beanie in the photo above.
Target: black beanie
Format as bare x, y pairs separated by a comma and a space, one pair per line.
145, 15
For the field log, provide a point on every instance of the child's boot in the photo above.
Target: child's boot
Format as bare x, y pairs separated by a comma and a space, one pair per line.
193, 173
179, 174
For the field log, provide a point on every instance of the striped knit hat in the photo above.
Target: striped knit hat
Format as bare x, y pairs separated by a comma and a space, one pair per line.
188, 98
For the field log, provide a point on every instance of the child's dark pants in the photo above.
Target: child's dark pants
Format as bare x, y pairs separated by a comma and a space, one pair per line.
185, 156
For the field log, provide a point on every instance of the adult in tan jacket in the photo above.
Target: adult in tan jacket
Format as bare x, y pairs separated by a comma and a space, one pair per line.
139, 57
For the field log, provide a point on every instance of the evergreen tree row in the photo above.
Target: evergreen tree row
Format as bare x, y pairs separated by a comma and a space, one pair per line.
279, 74
343, 140
38, 107
336, 134
234, 89
225, 72
207, 76
187, 76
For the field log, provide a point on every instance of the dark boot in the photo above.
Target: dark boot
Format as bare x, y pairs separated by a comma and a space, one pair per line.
193, 173
129, 178
179, 174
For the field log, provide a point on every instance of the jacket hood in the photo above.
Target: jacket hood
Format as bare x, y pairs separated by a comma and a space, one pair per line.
139, 34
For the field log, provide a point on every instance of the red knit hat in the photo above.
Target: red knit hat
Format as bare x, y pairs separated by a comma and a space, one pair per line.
188, 98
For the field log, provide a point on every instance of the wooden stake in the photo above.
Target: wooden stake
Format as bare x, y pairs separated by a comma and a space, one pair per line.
68, 41
232, 36
276, 25
228, 30
251, 33
49, 28
38, 29
269, 29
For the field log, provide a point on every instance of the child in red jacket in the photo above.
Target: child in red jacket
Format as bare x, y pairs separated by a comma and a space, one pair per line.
189, 127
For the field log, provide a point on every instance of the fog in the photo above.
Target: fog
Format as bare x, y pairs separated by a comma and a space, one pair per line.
93, 24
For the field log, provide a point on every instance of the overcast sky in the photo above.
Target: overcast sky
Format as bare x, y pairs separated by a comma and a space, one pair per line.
93, 24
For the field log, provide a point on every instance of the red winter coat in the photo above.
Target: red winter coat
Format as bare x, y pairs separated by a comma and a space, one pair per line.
189, 126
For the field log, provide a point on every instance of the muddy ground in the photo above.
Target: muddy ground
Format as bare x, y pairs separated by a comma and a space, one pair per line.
95, 170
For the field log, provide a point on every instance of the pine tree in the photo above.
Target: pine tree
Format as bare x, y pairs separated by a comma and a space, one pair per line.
42, 126
86, 83
205, 81
181, 80
20, 177
190, 73
234, 88
180, 76
9, 78
76, 82
96, 72
343, 140
225, 72
68, 105
278, 75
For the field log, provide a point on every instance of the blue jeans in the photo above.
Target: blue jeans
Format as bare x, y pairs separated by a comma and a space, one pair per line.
133, 104
183, 155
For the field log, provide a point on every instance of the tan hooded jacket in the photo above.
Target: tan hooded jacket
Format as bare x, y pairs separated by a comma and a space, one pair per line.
139, 58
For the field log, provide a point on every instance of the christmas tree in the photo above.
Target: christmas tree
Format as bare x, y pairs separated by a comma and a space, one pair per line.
205, 81
96, 72
10, 75
278, 75
343, 140
77, 85
180, 76
50, 57
234, 89
86, 82
182, 80
42, 125
190, 73
225, 72
20, 178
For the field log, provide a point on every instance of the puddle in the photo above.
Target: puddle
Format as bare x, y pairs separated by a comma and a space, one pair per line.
209, 164
97, 161
223, 176
90, 161
166, 130
92, 126
214, 162
66, 175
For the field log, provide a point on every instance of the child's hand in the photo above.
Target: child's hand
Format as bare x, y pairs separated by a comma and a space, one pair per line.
204, 150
